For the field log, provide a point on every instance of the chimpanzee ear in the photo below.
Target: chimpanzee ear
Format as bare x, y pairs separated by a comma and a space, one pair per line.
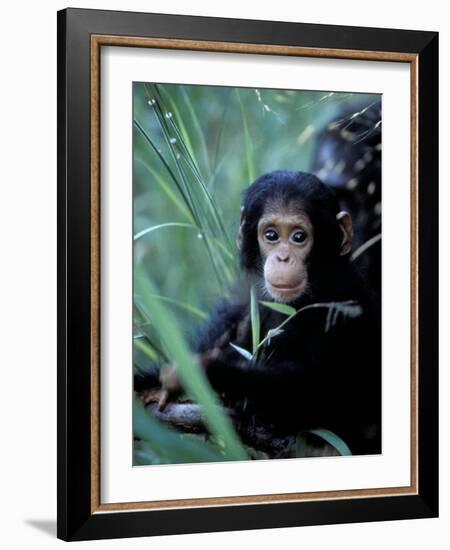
346, 228
240, 234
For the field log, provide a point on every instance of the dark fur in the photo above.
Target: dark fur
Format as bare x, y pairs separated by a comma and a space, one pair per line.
310, 378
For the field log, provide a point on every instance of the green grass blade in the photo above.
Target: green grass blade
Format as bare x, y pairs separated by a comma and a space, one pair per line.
168, 127
173, 126
219, 264
197, 196
192, 377
334, 440
166, 165
247, 141
176, 125
182, 133
246, 354
256, 323
141, 344
162, 113
168, 445
165, 187
183, 305
348, 308
148, 230
198, 128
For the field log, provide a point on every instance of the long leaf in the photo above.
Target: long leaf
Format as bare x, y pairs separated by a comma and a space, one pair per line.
334, 440
203, 207
192, 377
164, 162
148, 230
198, 127
247, 140
183, 305
145, 348
167, 190
256, 323
349, 308
246, 354
328, 436
205, 211
167, 444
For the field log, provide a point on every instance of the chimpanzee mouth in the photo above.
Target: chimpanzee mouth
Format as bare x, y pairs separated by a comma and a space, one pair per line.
284, 291
286, 287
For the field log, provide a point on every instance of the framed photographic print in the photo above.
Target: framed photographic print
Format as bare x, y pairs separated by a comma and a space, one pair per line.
247, 274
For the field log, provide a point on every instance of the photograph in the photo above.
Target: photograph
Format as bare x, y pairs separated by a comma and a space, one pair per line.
257, 219
222, 228
247, 274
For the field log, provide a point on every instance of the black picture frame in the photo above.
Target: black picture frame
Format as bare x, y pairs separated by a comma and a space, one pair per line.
78, 518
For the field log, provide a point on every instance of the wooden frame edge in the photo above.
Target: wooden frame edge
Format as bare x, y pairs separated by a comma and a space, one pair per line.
261, 49
247, 500
95, 273
414, 220
237, 47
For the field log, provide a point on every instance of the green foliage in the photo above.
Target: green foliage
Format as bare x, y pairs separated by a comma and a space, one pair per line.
195, 149
329, 437
256, 323
159, 444
193, 378
348, 308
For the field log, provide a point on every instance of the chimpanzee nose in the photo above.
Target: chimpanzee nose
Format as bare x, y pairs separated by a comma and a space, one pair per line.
283, 256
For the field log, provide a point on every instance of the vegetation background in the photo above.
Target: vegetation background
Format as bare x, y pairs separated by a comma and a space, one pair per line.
196, 148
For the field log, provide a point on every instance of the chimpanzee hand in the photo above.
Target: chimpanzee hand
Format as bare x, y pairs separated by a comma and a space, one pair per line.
171, 386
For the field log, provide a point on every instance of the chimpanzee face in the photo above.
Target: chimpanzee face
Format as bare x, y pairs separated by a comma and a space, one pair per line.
285, 238
291, 230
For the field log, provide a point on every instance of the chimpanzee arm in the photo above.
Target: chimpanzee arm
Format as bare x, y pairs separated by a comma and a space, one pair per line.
221, 328
219, 331
232, 374
284, 391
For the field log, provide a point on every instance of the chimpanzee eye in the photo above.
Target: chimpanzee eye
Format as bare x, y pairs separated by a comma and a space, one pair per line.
271, 235
299, 237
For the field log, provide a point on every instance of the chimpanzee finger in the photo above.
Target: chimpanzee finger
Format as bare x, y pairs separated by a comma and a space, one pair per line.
163, 400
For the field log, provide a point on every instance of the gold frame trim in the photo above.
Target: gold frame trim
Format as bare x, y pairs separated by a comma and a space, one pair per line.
97, 41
